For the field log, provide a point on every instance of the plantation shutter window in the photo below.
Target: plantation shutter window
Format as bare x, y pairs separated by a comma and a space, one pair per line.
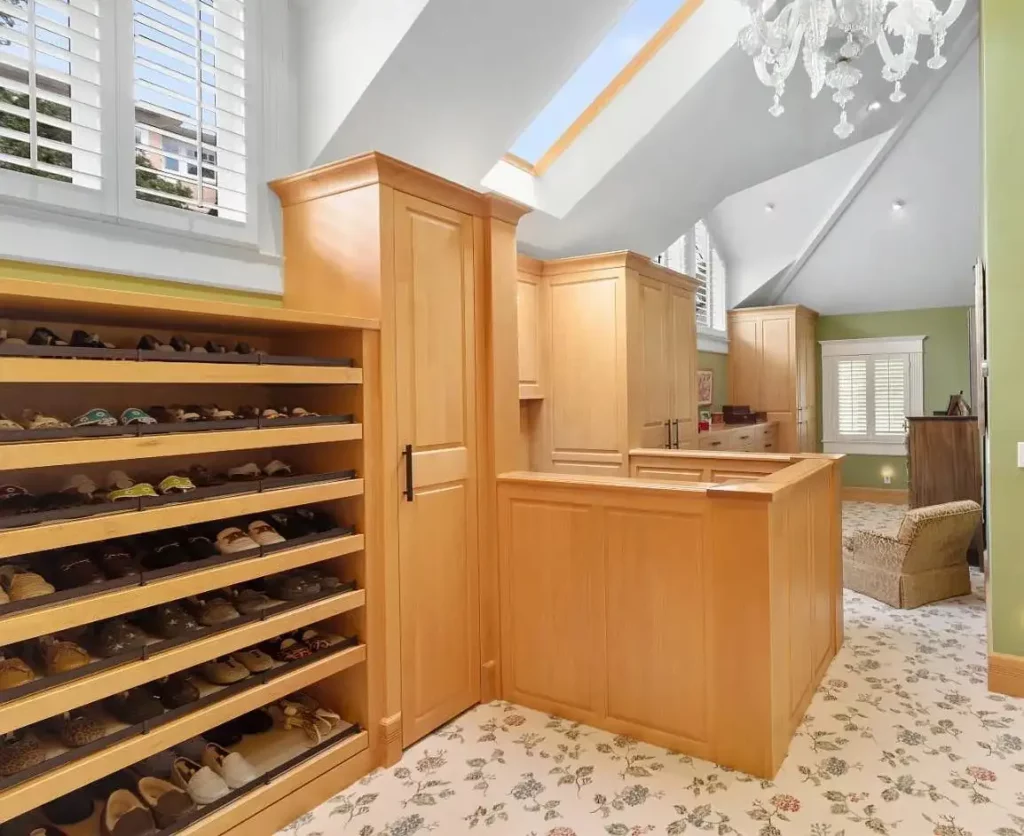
50, 90
869, 387
190, 109
702, 273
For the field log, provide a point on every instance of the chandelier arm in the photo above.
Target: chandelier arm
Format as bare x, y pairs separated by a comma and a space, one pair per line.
952, 13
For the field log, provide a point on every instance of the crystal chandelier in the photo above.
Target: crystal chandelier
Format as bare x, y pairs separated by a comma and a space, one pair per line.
834, 35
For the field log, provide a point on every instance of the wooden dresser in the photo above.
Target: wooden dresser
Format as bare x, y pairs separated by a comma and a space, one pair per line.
741, 438
944, 463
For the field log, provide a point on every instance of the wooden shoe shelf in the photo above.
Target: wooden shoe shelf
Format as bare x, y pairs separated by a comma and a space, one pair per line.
303, 364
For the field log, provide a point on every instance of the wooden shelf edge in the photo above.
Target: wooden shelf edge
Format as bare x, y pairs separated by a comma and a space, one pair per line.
323, 765
66, 299
37, 791
93, 529
42, 705
73, 451
30, 624
50, 370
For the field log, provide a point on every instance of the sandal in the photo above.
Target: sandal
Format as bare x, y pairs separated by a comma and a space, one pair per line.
134, 415
168, 621
224, 671
33, 420
286, 649
310, 704
294, 715
83, 339
134, 706
14, 672
175, 484
290, 525
245, 473
19, 750
122, 486
44, 336
235, 541
115, 637
319, 520
263, 533
61, 656
82, 485
253, 659
95, 417
77, 728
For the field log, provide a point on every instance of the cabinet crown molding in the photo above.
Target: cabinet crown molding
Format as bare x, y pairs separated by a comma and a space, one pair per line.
376, 168
619, 260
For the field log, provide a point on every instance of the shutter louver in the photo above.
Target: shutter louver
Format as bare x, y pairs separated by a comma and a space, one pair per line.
50, 105
190, 150
890, 374
852, 392
702, 273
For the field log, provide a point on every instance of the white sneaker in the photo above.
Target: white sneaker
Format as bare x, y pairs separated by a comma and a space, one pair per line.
203, 784
231, 766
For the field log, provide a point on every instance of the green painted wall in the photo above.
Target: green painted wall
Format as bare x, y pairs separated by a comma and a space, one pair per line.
719, 364
947, 361
114, 281
1002, 39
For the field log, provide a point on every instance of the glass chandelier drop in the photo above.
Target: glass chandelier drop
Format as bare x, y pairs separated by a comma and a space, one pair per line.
834, 34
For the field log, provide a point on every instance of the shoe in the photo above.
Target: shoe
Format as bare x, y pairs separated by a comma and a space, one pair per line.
201, 783
287, 649
224, 671
231, 766
126, 815
167, 802
277, 468
253, 660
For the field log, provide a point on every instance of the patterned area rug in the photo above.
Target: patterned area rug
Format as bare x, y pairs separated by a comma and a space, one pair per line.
901, 738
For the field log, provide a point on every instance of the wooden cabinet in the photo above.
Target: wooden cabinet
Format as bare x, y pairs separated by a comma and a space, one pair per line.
436, 264
741, 438
620, 344
532, 356
773, 363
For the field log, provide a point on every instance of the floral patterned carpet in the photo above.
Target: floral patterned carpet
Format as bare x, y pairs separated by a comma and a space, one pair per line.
901, 738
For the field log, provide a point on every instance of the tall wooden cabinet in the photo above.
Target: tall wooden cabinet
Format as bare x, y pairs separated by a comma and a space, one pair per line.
619, 340
436, 263
773, 368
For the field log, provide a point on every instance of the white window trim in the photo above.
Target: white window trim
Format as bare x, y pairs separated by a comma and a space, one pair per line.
710, 338
911, 346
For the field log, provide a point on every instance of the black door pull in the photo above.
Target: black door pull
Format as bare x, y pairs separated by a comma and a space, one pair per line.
409, 493
668, 426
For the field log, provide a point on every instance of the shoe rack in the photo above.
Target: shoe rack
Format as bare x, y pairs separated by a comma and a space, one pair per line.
303, 362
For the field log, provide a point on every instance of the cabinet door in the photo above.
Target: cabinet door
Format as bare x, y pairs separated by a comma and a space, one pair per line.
683, 366
528, 318
778, 365
437, 538
745, 362
655, 362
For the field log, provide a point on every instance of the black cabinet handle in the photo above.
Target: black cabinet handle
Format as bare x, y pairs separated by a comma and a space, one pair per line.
744, 437
409, 494
668, 426
715, 443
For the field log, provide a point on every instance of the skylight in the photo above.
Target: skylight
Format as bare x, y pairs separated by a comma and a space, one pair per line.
640, 22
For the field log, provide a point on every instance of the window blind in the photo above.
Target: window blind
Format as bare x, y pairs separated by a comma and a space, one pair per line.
50, 103
189, 93
890, 376
702, 273
852, 396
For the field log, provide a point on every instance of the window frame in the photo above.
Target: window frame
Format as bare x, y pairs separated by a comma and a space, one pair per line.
872, 350
115, 200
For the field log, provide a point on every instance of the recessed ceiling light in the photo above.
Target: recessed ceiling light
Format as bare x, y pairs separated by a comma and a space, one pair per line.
897, 205
875, 106
769, 207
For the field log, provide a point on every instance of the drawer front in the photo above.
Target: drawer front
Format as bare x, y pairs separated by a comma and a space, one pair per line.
714, 441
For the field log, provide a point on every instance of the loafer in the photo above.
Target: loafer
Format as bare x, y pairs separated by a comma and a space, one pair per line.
126, 815
134, 706
202, 784
167, 802
231, 766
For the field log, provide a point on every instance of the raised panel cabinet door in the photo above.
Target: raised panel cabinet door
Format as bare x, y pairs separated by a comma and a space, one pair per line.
437, 528
683, 366
778, 364
745, 362
655, 362
528, 315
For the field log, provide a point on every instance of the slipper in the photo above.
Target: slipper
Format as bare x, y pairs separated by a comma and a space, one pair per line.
14, 672
290, 525
215, 348
79, 483
151, 343
122, 486
199, 545
231, 766
61, 656
319, 520
263, 533
212, 412
7, 424
226, 734
248, 412
72, 808
180, 344
245, 348
134, 706
254, 722
33, 420
116, 636
167, 802
310, 704
248, 601
116, 560
134, 415
299, 412
324, 579
202, 784
175, 691
83, 339
95, 417
278, 468
78, 728
291, 587
224, 671
253, 659
173, 415
168, 621
14, 499
175, 484
74, 569
271, 414
212, 611
162, 550
44, 336
19, 750
287, 649
20, 584
234, 541
245, 473
4, 338
203, 478
125, 815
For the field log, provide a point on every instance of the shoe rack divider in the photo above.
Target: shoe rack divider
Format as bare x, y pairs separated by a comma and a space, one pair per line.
300, 367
